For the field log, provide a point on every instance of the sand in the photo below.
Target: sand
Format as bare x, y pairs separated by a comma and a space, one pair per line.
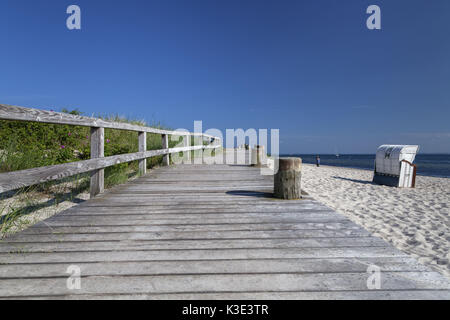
415, 221
38, 205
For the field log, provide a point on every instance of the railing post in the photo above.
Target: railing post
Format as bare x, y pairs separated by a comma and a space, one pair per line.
187, 154
142, 148
165, 145
203, 150
97, 151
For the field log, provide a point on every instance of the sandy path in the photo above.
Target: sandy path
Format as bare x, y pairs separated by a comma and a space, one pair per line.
414, 220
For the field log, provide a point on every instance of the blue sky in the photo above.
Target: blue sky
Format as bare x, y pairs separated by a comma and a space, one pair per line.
309, 68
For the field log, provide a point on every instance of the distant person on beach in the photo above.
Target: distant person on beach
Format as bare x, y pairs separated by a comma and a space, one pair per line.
318, 161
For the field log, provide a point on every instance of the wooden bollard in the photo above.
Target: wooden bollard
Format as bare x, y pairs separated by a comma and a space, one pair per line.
287, 181
258, 156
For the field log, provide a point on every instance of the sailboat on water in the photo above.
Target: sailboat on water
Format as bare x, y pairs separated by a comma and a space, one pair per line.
336, 152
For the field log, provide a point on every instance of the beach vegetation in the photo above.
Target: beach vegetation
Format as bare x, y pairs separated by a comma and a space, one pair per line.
26, 145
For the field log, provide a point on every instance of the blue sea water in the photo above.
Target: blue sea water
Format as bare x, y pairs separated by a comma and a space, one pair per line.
437, 165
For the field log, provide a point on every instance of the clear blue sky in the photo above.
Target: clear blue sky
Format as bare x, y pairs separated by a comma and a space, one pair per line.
310, 68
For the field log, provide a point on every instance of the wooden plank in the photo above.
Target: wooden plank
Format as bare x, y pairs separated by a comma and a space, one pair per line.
272, 295
16, 113
200, 254
203, 206
224, 283
144, 268
46, 229
142, 148
161, 220
209, 218
97, 151
187, 235
137, 245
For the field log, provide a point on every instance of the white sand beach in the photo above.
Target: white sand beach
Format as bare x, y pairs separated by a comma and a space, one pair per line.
416, 221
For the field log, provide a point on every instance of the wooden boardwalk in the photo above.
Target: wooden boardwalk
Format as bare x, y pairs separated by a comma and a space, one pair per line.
206, 232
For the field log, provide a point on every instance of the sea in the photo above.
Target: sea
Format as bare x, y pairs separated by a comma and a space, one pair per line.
436, 165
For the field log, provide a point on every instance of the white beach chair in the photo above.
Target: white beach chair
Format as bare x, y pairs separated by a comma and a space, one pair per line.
394, 166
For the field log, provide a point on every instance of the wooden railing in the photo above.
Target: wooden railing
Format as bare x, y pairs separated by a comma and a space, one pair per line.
98, 162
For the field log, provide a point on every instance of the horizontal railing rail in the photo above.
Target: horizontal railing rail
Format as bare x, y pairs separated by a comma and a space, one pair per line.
24, 178
15, 113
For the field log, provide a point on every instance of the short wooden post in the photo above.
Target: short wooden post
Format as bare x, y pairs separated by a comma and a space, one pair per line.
165, 145
287, 181
203, 149
142, 148
257, 156
97, 151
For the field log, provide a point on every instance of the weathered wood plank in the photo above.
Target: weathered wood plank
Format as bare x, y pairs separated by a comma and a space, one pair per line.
193, 207
207, 218
200, 254
395, 264
224, 283
187, 235
100, 221
16, 113
137, 245
272, 295
46, 229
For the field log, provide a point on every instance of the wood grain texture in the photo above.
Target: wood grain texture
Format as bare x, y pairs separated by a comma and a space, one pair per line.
287, 181
198, 231
142, 148
97, 185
